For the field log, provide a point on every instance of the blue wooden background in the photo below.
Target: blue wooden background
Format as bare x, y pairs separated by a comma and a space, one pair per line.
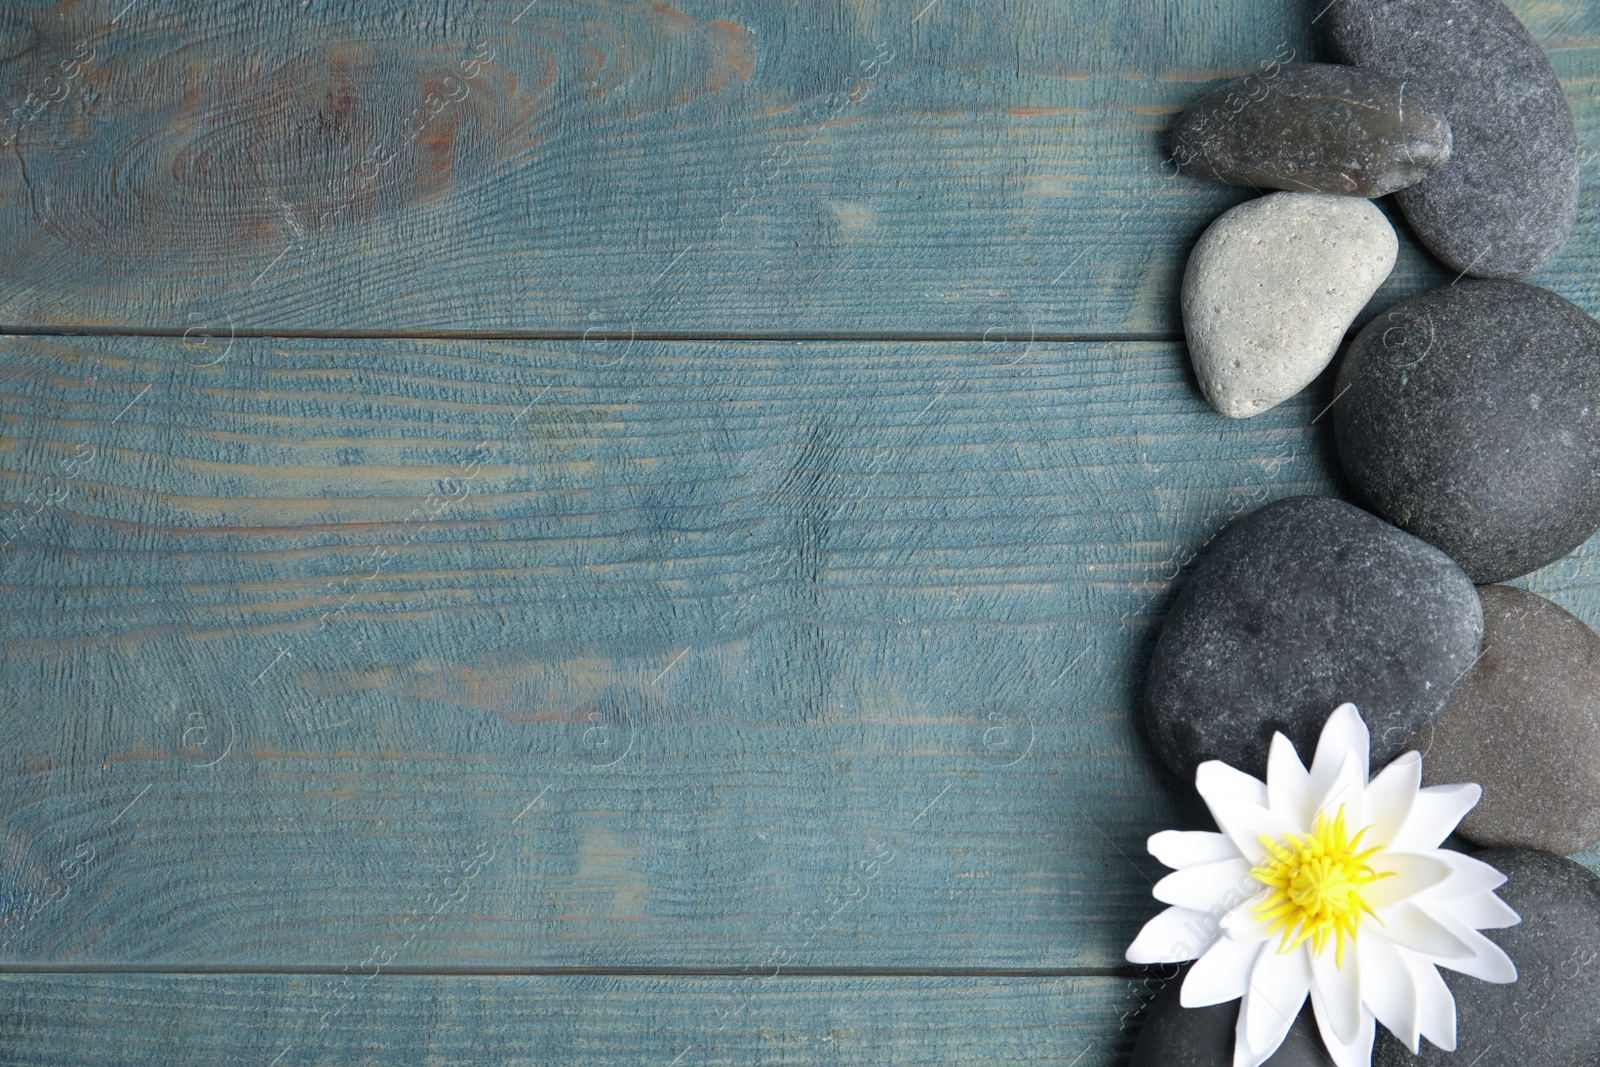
610, 532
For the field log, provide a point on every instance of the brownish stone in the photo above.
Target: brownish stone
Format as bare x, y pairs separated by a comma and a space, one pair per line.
1525, 725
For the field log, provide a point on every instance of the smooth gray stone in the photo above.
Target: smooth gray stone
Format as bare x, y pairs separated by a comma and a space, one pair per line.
1525, 725
1548, 1017
1470, 416
1175, 1036
1297, 608
1271, 290
1314, 128
1505, 203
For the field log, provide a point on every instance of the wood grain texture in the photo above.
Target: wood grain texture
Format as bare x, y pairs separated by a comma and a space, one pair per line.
251, 1020
402, 664
705, 168
484, 654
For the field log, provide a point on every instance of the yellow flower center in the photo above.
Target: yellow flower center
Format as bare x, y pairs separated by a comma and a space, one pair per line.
1316, 881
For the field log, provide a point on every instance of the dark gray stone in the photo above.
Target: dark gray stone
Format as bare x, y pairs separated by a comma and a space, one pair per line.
1548, 1017
1297, 608
1470, 416
1525, 725
1505, 203
1175, 1036
1313, 127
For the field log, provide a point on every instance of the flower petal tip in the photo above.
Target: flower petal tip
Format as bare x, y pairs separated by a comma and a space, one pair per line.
1346, 719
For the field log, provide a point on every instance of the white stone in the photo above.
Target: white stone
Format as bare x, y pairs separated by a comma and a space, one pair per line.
1272, 288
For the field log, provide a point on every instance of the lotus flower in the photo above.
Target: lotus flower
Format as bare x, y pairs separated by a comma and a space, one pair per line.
1327, 885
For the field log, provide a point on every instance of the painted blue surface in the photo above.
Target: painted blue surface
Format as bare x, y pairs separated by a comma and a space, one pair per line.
401, 672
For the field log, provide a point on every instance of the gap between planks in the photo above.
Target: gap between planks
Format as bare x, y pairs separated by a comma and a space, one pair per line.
986, 337
1131, 972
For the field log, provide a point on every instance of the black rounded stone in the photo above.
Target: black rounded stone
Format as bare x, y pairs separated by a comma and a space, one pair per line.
1302, 606
1470, 416
1175, 1036
1313, 127
1506, 201
1548, 1017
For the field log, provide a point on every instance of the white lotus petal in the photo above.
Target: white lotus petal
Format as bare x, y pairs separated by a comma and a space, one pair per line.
1389, 797
1409, 926
1343, 733
1481, 911
1434, 814
1279, 983
1345, 791
1289, 790
1248, 823
1242, 1054
1436, 1007
1429, 903
1387, 987
1402, 875
1190, 848
1485, 959
1470, 877
1221, 975
1357, 1053
1341, 990
1175, 935
1242, 925
1360, 1050
1222, 786
1207, 885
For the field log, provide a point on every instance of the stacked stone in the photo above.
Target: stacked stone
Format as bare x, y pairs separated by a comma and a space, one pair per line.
1467, 421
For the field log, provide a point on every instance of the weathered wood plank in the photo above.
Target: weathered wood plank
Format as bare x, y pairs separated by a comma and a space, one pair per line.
554, 654
719, 167
299, 1020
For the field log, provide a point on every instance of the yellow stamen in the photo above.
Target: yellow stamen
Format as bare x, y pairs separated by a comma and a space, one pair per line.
1316, 881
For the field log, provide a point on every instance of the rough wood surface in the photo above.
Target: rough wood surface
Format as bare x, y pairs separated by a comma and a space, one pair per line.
389, 664
301, 1020
706, 168
554, 654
